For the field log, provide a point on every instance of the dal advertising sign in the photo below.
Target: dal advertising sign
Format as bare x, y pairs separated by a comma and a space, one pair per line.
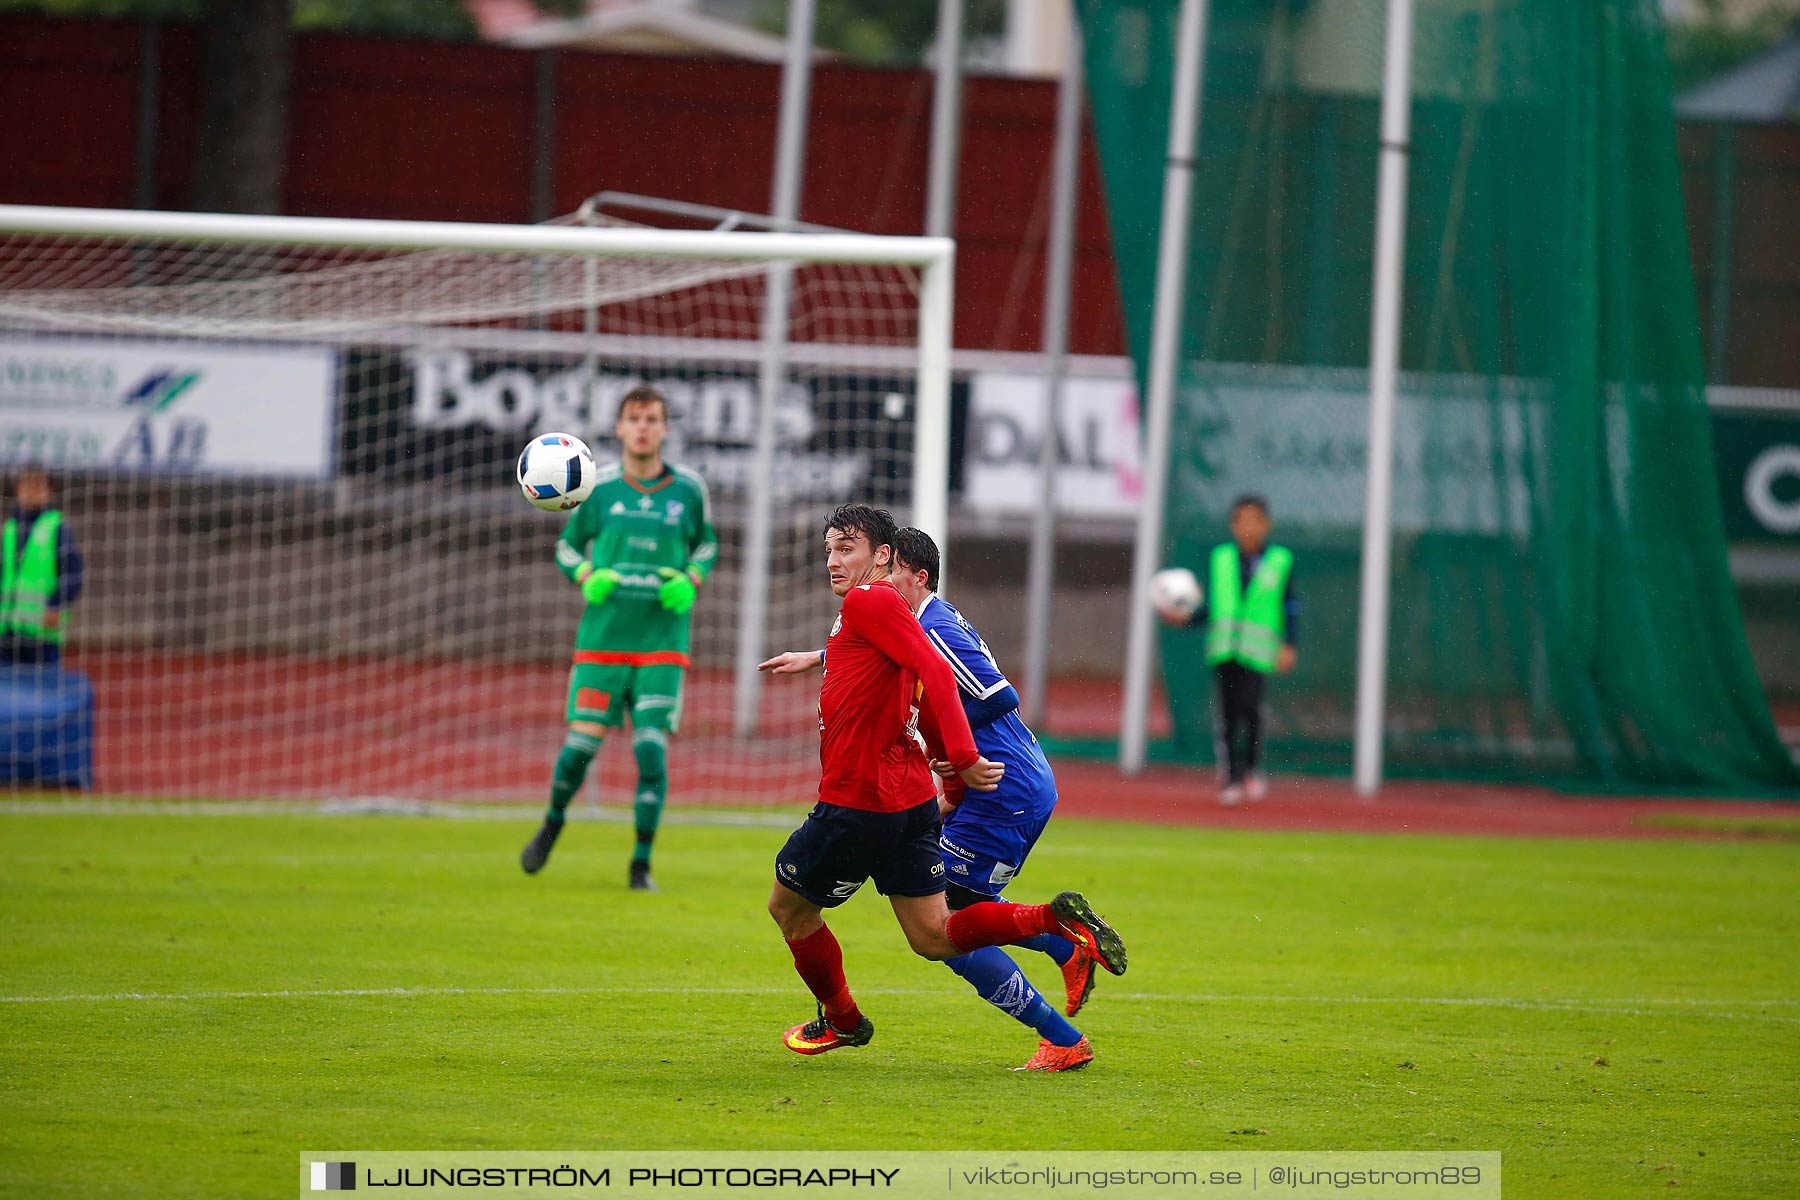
1757, 448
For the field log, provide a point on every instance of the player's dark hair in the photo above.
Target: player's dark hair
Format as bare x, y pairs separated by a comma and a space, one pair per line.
1250, 500
643, 393
876, 524
914, 550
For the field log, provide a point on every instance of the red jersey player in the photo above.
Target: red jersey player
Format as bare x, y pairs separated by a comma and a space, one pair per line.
877, 815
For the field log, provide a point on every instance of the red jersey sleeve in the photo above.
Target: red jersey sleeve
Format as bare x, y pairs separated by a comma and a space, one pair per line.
953, 787
929, 731
879, 614
954, 790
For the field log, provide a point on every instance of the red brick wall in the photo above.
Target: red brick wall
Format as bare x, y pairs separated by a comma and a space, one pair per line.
445, 131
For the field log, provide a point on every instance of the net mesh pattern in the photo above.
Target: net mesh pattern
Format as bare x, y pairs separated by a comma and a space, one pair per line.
307, 568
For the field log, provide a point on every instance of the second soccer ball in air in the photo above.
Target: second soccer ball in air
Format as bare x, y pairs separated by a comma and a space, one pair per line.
556, 471
1175, 593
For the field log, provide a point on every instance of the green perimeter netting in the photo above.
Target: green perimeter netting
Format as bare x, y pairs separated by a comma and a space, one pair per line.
1562, 609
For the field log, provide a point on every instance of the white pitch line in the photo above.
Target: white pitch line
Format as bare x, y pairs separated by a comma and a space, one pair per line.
376, 807
1639, 1007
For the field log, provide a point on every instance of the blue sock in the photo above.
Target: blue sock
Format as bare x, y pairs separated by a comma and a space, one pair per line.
1055, 945
1000, 982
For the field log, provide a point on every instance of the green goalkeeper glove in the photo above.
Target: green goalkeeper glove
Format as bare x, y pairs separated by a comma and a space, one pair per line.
677, 591
596, 586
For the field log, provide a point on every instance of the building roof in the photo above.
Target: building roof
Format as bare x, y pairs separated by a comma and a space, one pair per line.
1764, 88
650, 28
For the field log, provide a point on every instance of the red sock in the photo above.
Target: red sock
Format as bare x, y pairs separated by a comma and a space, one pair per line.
992, 923
820, 961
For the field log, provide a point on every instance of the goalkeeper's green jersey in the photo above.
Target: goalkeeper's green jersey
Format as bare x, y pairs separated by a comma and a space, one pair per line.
635, 527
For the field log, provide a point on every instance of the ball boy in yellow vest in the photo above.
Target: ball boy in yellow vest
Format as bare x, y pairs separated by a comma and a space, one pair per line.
1249, 615
40, 574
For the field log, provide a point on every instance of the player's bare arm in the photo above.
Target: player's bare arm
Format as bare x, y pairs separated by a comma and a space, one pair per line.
983, 775
793, 662
985, 771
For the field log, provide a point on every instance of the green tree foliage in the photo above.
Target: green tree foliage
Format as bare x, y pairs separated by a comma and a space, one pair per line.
1700, 50
142, 10
446, 20
884, 32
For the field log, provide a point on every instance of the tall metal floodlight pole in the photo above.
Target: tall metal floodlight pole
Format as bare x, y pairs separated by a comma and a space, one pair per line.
1384, 364
946, 122
1165, 351
940, 221
1041, 567
784, 205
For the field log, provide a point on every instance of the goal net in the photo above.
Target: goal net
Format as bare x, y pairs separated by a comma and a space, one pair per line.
284, 450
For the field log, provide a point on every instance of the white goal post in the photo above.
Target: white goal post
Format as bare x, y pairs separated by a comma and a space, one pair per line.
872, 318
934, 256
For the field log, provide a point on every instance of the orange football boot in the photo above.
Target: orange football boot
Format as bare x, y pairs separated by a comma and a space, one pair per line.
1083, 926
1078, 979
1051, 1057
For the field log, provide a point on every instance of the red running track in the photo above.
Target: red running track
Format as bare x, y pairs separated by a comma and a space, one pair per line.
212, 725
230, 726
1187, 796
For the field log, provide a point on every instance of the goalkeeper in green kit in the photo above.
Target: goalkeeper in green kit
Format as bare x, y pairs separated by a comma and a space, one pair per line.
638, 548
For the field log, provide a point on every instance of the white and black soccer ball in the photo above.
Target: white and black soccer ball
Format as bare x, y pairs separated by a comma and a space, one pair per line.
556, 471
1175, 593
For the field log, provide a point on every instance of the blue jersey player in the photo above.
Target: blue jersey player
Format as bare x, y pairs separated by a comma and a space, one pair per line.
986, 836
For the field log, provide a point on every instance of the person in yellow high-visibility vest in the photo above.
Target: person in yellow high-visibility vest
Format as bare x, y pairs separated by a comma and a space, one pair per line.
40, 574
1250, 615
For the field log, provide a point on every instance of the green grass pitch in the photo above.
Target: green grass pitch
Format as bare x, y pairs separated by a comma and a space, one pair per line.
1613, 1017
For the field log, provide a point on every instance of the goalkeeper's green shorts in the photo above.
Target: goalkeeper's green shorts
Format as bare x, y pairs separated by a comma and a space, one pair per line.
606, 684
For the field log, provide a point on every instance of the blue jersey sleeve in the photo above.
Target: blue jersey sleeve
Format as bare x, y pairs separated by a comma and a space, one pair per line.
982, 713
986, 694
